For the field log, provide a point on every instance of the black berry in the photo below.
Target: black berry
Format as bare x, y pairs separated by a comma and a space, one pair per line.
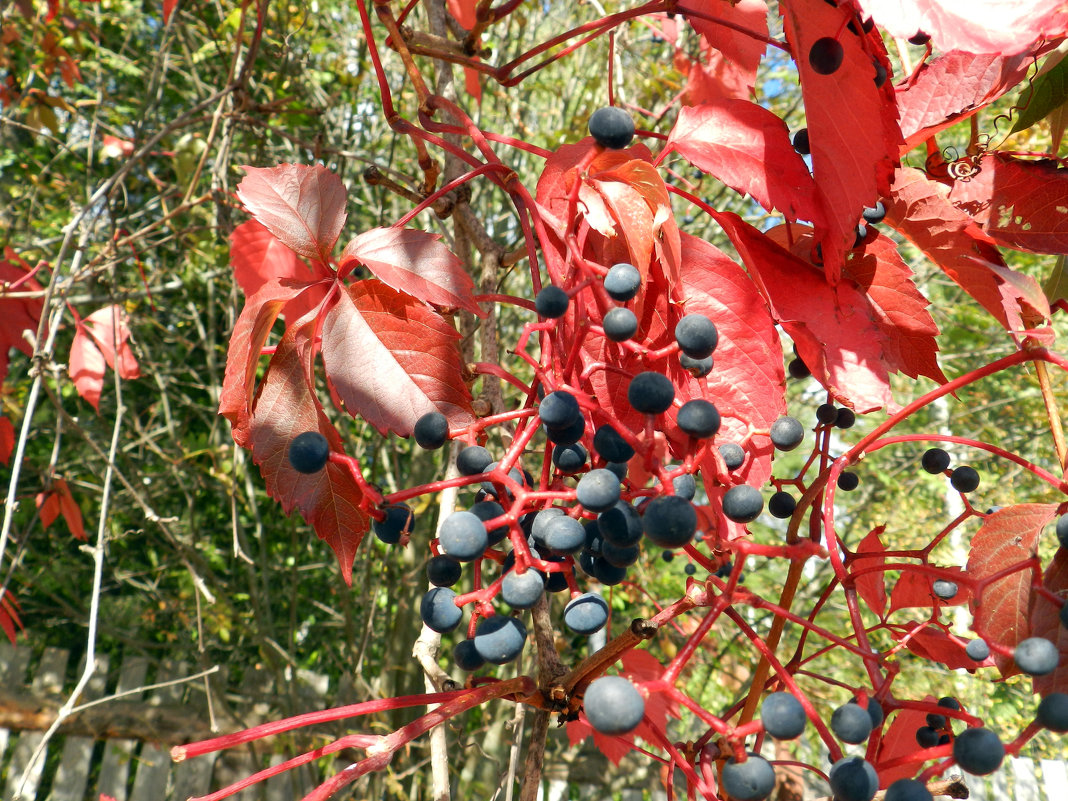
669, 521
443, 571
551, 302
978, 751
751, 780
697, 336
559, 409
787, 433
798, 369
964, 478
846, 418
1053, 712
398, 521
851, 724
699, 418
685, 486
466, 656
733, 455
826, 55
743, 503
1036, 656
586, 613
783, 716
650, 393
935, 461
848, 480
907, 790
522, 590
431, 431
621, 525
438, 610
782, 505
613, 705
926, 737
827, 413
463, 536
598, 490
853, 779
801, 143
619, 324
622, 282
611, 127
308, 452
473, 460
569, 458
611, 446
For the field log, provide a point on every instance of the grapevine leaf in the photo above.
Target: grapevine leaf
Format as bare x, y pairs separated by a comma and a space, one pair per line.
17, 315
1007, 539
1047, 92
86, 366
9, 615
831, 326
915, 589
920, 209
871, 586
1046, 622
979, 26
109, 328
59, 501
852, 124
7, 439
258, 256
952, 87
414, 262
392, 360
249, 336
935, 645
900, 310
748, 148
1022, 204
738, 52
898, 741
285, 406
302, 205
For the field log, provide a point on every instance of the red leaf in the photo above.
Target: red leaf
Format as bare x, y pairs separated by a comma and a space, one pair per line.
109, 328
1046, 622
852, 123
748, 148
7, 439
257, 256
168, 9
1022, 204
738, 52
1007, 537
920, 209
17, 315
915, 588
899, 740
250, 334
392, 360
58, 501
871, 586
900, 310
832, 326
86, 366
979, 26
614, 748
302, 205
935, 645
464, 12
748, 384
951, 88
285, 406
9, 615
414, 262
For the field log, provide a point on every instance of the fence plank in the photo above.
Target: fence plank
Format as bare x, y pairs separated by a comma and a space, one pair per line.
1023, 770
1055, 779
154, 762
13, 664
999, 784
115, 765
978, 787
49, 678
72, 775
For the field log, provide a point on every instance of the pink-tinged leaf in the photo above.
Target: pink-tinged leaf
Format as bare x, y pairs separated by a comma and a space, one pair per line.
286, 405
613, 748
7, 439
303, 205
257, 257
110, 330
914, 588
832, 326
748, 384
871, 586
900, 309
920, 209
1046, 622
952, 87
852, 123
392, 360
250, 334
1021, 203
1001, 608
748, 148
978, 26
9, 615
58, 501
742, 52
899, 740
932, 644
414, 262
86, 366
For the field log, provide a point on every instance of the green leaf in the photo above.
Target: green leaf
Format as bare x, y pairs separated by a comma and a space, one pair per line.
1056, 286
1047, 92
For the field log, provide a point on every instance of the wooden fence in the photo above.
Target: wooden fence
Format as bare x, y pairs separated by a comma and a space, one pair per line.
121, 748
